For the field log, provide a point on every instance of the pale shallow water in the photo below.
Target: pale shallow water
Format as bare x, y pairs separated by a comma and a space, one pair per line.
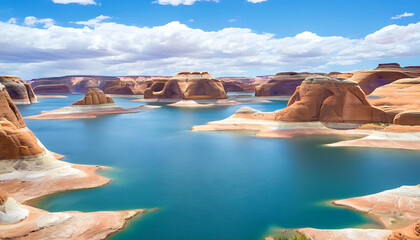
214, 185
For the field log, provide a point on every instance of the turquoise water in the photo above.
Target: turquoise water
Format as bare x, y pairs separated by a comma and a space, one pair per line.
214, 185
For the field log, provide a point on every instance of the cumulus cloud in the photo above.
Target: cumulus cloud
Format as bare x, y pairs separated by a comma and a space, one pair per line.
32, 21
180, 2
81, 2
406, 14
110, 48
256, 1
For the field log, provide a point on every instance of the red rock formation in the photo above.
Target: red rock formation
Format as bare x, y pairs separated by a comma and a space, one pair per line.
283, 84
411, 118
188, 86
18, 90
52, 88
15, 139
399, 96
78, 83
94, 97
327, 99
369, 80
119, 87
388, 65
237, 86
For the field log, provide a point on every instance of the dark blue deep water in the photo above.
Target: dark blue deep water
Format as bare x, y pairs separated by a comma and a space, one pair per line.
214, 185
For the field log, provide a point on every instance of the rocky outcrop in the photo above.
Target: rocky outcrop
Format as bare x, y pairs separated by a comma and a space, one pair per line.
52, 88
389, 65
18, 90
93, 104
94, 97
119, 87
399, 96
283, 84
369, 80
237, 86
187, 86
16, 141
76, 84
123, 85
327, 99
411, 118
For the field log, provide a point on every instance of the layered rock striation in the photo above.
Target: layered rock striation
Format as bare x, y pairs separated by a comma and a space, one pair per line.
18, 90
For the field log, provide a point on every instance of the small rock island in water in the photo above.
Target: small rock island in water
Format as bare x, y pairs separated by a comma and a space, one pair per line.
168, 120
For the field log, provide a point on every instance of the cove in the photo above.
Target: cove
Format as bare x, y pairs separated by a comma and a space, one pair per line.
214, 185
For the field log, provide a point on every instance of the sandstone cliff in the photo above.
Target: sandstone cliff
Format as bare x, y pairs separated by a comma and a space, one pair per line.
283, 84
369, 80
399, 96
119, 87
52, 88
327, 99
188, 86
16, 140
19, 91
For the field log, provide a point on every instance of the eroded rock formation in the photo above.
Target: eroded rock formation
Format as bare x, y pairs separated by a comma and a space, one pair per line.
119, 87
283, 84
411, 118
16, 140
52, 88
399, 96
327, 99
18, 90
369, 80
94, 97
187, 86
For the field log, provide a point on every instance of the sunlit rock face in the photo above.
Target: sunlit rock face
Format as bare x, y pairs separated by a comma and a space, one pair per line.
327, 99
399, 96
94, 97
16, 140
283, 84
187, 86
19, 91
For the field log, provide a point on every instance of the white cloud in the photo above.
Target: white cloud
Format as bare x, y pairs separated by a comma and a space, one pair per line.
94, 22
81, 2
180, 2
110, 48
12, 20
32, 21
406, 14
256, 1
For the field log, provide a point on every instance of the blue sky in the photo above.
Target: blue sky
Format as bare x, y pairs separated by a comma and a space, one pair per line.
236, 25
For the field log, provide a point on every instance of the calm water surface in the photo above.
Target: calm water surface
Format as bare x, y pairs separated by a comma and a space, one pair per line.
214, 185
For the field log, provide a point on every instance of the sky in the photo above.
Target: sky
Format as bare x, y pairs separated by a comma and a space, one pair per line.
45, 38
